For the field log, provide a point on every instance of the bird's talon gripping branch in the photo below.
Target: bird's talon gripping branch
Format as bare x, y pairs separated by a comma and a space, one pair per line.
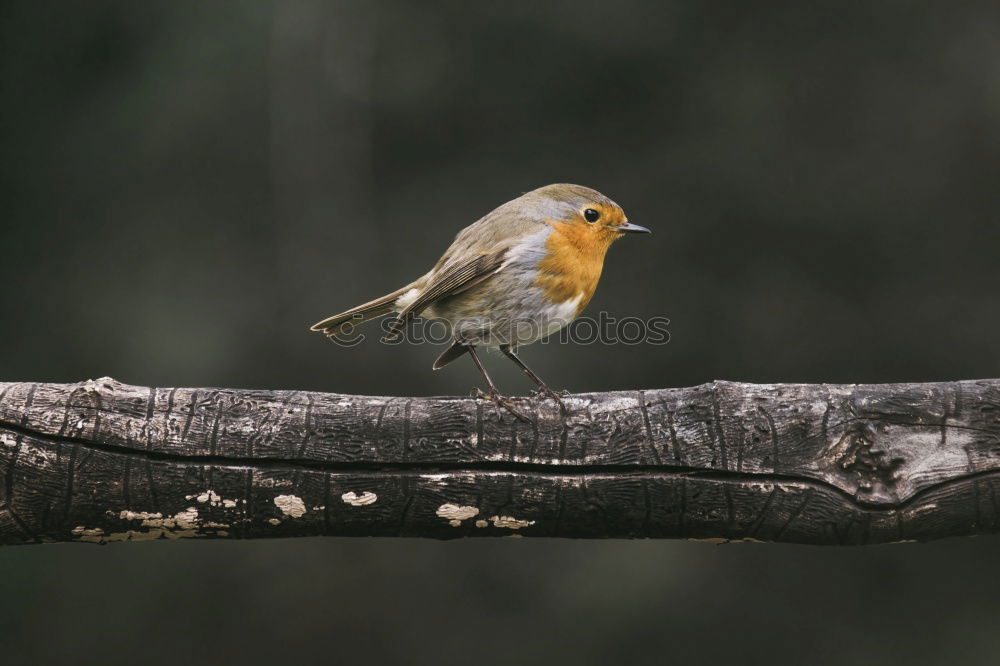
500, 401
543, 392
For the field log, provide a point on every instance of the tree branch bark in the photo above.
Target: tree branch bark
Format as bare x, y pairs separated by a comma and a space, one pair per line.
102, 461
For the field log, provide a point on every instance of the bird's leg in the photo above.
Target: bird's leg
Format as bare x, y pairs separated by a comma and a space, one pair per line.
543, 388
494, 394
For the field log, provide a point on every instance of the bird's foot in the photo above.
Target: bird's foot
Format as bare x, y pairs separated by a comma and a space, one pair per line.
542, 391
498, 402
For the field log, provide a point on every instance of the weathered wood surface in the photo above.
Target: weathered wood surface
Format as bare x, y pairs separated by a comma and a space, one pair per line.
102, 461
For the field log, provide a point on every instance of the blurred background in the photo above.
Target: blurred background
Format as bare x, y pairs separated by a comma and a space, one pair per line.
185, 187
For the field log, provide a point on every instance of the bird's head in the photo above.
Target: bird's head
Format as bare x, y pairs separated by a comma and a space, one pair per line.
583, 213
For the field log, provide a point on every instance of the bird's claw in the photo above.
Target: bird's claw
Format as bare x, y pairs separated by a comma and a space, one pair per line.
545, 391
498, 402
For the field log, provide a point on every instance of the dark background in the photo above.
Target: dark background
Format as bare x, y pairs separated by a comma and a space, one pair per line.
184, 187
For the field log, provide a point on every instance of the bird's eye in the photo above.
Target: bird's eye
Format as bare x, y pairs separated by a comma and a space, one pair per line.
591, 215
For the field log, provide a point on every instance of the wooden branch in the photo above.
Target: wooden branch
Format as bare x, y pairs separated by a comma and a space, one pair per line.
102, 461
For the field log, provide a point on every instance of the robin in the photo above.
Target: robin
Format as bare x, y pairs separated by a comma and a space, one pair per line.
520, 273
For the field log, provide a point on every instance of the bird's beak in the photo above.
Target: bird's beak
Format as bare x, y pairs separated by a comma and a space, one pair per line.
629, 228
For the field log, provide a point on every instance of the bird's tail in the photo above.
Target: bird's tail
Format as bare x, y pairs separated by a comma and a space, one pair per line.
450, 354
331, 326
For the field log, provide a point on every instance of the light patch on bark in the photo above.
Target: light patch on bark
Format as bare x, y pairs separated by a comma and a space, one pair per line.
150, 535
187, 519
469, 440
213, 498
440, 479
95, 385
274, 521
138, 515
482, 523
274, 483
363, 499
510, 522
184, 520
290, 505
613, 404
210, 495
455, 514
506, 457
95, 535
181, 525
142, 535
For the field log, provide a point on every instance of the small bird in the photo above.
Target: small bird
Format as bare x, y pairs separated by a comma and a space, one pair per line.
520, 273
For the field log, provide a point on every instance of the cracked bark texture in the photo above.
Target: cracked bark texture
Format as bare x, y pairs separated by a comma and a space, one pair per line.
102, 461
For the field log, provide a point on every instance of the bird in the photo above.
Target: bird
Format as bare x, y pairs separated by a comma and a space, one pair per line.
520, 273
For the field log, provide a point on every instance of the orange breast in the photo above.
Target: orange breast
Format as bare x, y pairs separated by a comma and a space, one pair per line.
573, 262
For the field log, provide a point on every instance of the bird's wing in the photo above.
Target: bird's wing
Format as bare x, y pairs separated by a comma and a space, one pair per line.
450, 281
